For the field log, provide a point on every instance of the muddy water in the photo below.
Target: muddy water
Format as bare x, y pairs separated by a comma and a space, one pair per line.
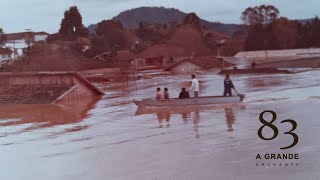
110, 138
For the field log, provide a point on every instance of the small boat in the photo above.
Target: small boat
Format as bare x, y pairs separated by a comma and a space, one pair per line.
175, 102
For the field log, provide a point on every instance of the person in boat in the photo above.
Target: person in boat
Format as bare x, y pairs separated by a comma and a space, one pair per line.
159, 94
166, 93
184, 94
195, 86
228, 86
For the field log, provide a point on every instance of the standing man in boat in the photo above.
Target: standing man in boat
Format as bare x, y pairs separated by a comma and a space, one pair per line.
159, 94
228, 85
195, 86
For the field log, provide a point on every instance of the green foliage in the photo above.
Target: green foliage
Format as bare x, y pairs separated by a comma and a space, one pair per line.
149, 32
193, 19
112, 33
71, 25
267, 32
29, 39
106, 27
263, 14
283, 34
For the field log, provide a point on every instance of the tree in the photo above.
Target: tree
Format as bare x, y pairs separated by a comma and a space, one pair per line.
29, 39
284, 34
112, 33
259, 20
108, 26
314, 32
71, 25
149, 32
3, 38
193, 19
263, 14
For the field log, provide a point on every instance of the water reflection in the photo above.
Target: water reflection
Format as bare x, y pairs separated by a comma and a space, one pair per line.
196, 120
230, 118
192, 115
164, 116
42, 116
185, 116
265, 82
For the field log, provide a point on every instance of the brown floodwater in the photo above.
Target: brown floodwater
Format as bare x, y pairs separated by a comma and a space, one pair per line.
110, 138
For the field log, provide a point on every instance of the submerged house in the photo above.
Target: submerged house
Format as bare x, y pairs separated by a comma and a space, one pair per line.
124, 57
44, 88
161, 55
198, 64
286, 58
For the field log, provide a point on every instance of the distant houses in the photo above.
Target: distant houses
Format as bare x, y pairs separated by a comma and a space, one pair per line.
169, 57
17, 41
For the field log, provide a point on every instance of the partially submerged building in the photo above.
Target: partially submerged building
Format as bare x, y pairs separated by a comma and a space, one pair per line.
161, 55
44, 88
198, 64
286, 58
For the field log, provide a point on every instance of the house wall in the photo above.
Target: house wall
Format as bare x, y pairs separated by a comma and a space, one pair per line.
159, 61
40, 37
138, 62
186, 67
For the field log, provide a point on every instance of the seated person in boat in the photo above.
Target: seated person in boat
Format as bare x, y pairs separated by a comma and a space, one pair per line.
228, 85
166, 93
184, 94
159, 94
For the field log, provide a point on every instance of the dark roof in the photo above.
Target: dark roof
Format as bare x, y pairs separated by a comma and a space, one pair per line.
206, 62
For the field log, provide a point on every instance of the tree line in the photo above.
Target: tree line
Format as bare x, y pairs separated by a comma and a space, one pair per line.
266, 31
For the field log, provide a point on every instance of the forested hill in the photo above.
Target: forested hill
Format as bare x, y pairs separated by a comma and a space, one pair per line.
131, 18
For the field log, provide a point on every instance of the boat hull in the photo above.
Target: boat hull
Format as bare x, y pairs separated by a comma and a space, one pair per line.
206, 100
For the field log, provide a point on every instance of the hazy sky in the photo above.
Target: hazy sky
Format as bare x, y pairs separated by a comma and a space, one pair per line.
46, 15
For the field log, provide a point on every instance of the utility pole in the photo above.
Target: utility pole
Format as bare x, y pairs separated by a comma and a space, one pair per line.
14, 49
220, 44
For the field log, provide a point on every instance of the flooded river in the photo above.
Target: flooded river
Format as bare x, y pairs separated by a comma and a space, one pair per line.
110, 138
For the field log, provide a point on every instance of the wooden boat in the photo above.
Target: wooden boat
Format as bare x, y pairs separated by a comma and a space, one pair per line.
175, 102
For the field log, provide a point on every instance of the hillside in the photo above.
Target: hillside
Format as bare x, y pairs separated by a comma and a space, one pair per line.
131, 18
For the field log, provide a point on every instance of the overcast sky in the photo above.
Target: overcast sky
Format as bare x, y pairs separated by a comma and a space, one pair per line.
46, 15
